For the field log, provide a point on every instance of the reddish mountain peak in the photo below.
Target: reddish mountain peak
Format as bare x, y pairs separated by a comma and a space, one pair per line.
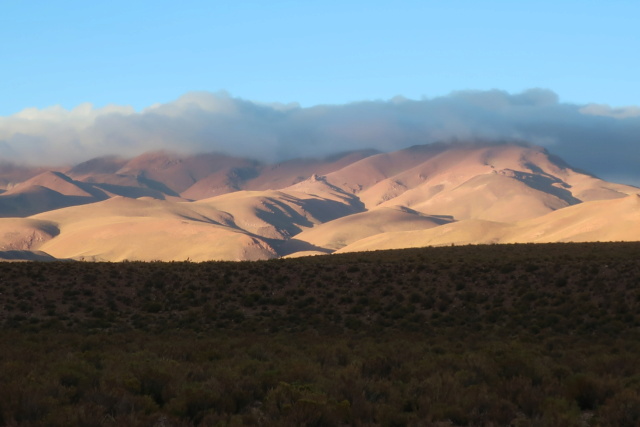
12, 173
151, 160
98, 165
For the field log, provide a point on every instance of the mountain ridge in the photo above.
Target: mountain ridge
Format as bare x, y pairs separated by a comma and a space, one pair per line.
165, 206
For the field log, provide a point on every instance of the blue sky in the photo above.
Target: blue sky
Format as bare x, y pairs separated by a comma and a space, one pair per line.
81, 79
330, 52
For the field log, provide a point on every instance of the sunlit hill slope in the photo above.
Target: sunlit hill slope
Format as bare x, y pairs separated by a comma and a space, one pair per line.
161, 206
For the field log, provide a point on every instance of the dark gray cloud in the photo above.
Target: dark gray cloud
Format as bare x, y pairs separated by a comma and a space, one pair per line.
597, 138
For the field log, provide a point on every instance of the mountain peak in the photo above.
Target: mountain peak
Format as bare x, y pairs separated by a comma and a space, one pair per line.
434, 194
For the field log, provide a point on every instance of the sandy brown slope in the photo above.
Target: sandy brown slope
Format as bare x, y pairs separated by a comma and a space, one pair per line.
601, 220
47, 191
491, 197
25, 233
232, 226
470, 231
363, 174
60, 183
148, 229
284, 213
343, 231
494, 182
35, 199
149, 239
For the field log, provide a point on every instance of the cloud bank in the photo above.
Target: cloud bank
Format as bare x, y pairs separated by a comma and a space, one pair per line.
598, 138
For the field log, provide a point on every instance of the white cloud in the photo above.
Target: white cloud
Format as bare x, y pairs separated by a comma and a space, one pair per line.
597, 138
608, 111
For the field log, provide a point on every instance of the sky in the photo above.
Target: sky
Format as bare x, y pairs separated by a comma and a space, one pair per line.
69, 67
330, 52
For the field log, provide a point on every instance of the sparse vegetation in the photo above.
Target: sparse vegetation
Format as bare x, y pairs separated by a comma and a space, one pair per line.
522, 335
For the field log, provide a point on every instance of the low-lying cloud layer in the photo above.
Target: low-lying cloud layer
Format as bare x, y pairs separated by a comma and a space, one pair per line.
597, 138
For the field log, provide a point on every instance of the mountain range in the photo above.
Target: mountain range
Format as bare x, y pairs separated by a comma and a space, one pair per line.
166, 206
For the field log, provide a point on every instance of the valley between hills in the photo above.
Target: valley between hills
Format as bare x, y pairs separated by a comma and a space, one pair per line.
169, 207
